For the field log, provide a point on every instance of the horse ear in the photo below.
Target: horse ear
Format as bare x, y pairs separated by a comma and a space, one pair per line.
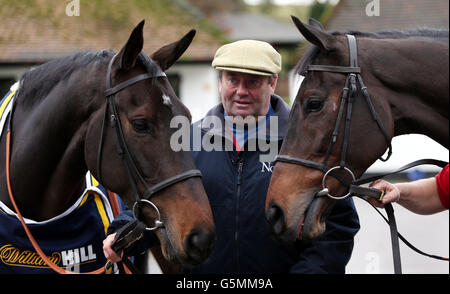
129, 53
315, 23
315, 35
169, 54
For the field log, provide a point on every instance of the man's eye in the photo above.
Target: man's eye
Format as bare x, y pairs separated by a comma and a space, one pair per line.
140, 126
252, 84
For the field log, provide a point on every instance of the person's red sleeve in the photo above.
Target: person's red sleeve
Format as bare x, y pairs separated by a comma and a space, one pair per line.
442, 185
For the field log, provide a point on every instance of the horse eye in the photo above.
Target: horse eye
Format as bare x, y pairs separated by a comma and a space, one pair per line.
140, 126
313, 105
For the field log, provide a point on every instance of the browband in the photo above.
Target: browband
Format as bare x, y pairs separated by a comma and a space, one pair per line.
134, 80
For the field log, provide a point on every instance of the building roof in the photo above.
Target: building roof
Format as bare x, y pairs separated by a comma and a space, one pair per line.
393, 15
247, 25
36, 31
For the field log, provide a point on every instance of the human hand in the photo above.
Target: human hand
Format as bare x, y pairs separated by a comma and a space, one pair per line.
109, 253
391, 193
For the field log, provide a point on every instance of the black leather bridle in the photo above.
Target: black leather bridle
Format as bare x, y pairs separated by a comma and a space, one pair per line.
353, 72
122, 148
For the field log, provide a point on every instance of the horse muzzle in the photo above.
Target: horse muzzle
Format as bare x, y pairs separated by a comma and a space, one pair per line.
198, 245
303, 222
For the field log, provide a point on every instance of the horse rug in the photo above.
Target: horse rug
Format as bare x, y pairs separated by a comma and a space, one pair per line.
73, 239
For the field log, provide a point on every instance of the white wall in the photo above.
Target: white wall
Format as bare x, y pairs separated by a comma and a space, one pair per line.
408, 148
295, 80
199, 87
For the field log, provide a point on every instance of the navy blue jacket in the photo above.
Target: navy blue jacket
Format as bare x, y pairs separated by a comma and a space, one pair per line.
236, 185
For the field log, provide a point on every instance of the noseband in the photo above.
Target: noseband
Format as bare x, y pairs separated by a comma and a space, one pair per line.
353, 72
141, 199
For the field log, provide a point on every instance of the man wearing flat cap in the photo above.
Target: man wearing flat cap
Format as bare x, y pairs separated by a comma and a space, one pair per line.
237, 180
244, 129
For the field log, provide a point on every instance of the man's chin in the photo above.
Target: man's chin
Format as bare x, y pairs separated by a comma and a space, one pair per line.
239, 115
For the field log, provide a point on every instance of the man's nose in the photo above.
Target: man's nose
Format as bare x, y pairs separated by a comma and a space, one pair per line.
242, 89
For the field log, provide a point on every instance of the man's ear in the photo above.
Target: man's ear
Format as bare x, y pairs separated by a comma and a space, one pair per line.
273, 84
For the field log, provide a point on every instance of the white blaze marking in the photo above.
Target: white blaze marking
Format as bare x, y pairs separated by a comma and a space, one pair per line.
166, 100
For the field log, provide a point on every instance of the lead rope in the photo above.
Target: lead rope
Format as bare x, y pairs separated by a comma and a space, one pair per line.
394, 239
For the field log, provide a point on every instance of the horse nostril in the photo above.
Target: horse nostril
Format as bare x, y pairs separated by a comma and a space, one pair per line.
275, 218
198, 244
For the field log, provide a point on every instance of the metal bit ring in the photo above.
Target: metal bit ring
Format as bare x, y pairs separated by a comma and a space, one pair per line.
158, 222
325, 176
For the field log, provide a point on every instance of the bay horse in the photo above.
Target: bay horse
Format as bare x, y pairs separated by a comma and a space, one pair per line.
399, 84
108, 113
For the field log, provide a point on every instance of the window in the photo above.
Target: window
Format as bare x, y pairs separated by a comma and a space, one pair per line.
5, 84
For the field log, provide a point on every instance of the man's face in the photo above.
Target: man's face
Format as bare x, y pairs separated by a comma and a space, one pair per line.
245, 94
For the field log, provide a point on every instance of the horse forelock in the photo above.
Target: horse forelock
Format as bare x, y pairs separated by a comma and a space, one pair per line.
306, 60
149, 65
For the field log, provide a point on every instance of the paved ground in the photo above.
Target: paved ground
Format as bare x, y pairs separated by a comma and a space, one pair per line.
372, 252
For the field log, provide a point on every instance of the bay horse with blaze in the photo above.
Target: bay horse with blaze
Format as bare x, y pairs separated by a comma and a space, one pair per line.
62, 127
405, 90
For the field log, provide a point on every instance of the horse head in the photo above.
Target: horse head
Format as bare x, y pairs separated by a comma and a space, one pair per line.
292, 206
145, 109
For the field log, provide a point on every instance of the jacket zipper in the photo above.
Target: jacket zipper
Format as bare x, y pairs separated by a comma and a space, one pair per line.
240, 163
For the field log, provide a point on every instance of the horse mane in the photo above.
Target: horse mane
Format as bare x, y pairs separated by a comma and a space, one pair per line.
438, 35
38, 82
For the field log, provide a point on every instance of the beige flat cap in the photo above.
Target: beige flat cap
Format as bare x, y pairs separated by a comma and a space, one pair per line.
248, 56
